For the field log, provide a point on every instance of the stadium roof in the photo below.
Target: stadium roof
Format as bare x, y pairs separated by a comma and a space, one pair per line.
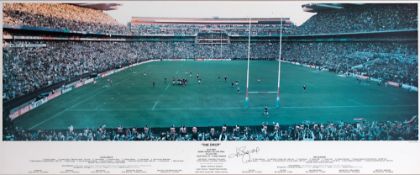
98, 6
215, 20
317, 7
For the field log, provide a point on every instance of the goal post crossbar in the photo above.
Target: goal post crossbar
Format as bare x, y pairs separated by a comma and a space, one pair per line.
262, 92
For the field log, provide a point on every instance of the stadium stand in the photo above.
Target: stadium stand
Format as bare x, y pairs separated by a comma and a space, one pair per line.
193, 26
61, 16
95, 57
349, 18
31, 68
306, 131
373, 40
389, 61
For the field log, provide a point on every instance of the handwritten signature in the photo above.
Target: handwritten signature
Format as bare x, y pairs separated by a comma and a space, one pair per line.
244, 154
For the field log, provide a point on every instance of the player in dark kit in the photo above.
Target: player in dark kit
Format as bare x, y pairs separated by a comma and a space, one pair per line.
304, 88
225, 78
266, 111
154, 84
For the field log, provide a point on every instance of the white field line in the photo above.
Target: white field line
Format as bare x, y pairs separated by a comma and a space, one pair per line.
252, 108
69, 108
157, 100
262, 92
66, 109
154, 106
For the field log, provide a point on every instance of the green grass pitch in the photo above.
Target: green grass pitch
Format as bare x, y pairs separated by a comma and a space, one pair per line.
132, 101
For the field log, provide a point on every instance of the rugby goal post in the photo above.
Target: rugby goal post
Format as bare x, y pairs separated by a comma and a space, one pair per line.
279, 69
247, 68
277, 103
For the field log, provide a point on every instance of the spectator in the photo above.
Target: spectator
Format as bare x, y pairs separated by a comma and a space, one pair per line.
305, 131
361, 18
61, 16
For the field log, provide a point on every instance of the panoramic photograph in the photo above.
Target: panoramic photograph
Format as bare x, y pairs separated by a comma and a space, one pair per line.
210, 71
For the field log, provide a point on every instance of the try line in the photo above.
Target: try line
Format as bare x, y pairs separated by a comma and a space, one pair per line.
242, 108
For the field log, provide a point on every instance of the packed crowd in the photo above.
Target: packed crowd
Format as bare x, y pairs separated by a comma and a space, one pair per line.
28, 68
33, 65
388, 61
212, 38
61, 16
366, 18
193, 29
76, 18
305, 131
355, 18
